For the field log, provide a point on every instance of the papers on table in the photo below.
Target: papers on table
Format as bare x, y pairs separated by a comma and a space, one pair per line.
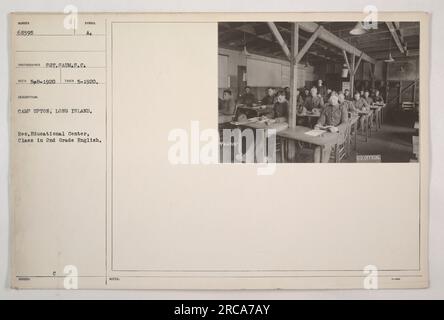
265, 120
251, 120
315, 132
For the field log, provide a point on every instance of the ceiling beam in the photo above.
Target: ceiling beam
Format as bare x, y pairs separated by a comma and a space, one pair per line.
346, 59
332, 49
332, 39
397, 55
359, 62
394, 31
308, 44
383, 45
266, 40
279, 39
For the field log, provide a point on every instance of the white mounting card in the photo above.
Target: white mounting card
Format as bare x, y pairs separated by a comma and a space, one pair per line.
116, 183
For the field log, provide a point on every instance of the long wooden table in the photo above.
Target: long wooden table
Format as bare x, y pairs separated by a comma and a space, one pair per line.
377, 109
254, 111
255, 125
354, 124
278, 126
367, 115
298, 133
382, 105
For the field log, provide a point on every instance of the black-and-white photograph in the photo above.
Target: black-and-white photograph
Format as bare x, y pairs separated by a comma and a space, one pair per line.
319, 91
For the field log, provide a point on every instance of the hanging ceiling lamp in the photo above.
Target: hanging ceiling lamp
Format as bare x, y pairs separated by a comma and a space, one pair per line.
344, 73
245, 51
358, 29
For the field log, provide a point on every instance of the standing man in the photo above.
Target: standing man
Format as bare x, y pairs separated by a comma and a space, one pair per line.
347, 95
228, 104
322, 90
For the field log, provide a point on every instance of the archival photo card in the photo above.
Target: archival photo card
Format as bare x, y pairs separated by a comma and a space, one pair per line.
219, 151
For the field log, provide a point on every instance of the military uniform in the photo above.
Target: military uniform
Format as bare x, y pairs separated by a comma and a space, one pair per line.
247, 99
331, 115
311, 103
360, 104
228, 106
268, 100
281, 109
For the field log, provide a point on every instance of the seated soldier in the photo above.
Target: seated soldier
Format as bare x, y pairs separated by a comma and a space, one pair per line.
367, 97
287, 93
268, 100
377, 98
346, 103
322, 90
313, 101
280, 108
247, 98
228, 104
335, 116
360, 104
300, 99
306, 93
329, 92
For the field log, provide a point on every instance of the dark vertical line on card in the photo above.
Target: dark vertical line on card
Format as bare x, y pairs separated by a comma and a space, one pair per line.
106, 152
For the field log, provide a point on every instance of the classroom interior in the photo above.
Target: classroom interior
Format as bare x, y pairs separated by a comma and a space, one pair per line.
289, 58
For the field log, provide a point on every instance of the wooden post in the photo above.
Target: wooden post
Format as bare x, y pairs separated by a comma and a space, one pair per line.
372, 71
308, 44
279, 39
357, 65
293, 75
414, 94
291, 151
386, 82
352, 76
400, 93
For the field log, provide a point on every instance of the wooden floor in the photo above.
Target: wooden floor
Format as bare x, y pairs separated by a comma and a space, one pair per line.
393, 142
